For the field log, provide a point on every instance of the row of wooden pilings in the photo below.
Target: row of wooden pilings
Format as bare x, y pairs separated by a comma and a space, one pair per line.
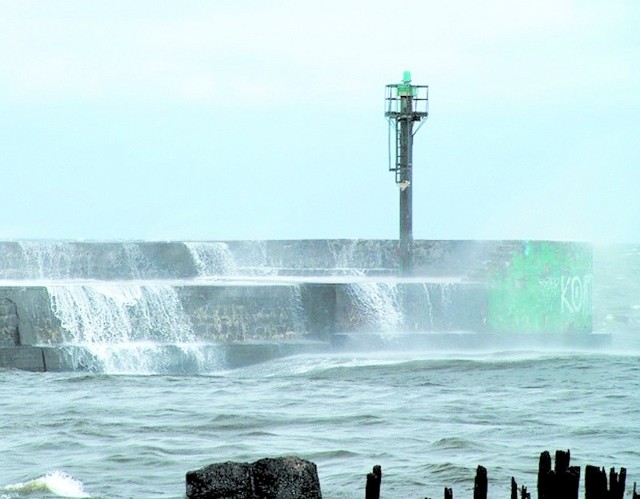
561, 482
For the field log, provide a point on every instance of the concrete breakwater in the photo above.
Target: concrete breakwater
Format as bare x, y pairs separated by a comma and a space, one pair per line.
215, 302
185, 260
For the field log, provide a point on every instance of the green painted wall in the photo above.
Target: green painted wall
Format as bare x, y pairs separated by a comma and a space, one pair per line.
543, 287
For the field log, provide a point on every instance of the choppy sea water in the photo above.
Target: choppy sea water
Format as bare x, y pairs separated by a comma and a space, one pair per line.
428, 419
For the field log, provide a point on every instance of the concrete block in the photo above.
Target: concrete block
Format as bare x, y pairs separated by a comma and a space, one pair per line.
26, 358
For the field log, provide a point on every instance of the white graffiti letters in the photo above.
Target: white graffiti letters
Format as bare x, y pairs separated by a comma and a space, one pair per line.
575, 294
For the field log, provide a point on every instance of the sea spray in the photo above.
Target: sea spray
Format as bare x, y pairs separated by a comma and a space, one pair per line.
47, 260
212, 259
58, 483
428, 306
51, 261
377, 305
124, 327
134, 259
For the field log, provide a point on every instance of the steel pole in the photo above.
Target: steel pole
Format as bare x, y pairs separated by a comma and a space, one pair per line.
406, 179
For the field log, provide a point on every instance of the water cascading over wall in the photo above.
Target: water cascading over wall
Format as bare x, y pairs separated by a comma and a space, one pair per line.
106, 299
118, 307
125, 327
212, 259
388, 307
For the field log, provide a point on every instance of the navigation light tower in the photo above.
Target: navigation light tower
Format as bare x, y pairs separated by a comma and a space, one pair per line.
405, 104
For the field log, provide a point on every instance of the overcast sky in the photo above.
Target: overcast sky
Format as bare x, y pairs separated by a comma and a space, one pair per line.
246, 119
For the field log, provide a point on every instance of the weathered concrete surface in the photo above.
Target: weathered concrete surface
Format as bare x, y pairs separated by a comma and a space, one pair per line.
411, 306
95, 260
37, 358
175, 260
25, 358
77, 358
8, 323
490, 288
225, 313
29, 308
269, 478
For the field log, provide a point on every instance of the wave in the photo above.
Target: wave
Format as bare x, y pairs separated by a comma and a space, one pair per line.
57, 483
437, 369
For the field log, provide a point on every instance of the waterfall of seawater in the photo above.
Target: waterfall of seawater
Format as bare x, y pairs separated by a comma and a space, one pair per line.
47, 260
63, 260
127, 328
428, 306
212, 259
378, 305
134, 259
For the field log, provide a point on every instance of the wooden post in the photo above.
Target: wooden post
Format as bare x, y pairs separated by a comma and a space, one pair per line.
514, 491
373, 483
617, 483
595, 483
567, 478
635, 495
480, 485
448, 493
544, 476
561, 483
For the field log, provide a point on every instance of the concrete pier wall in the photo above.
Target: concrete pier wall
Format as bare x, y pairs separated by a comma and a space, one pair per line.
232, 313
186, 260
269, 293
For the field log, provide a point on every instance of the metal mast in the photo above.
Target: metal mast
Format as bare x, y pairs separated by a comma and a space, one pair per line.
405, 104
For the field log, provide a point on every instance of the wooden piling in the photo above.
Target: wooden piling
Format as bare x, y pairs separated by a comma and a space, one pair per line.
561, 482
480, 485
617, 483
567, 477
374, 480
544, 476
514, 491
595, 483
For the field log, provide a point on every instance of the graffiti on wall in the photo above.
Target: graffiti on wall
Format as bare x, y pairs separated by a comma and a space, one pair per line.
541, 286
575, 294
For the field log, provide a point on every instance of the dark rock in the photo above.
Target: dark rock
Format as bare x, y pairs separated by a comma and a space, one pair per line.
286, 478
270, 478
221, 481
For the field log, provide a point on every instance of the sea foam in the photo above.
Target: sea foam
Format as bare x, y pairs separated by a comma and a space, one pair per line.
57, 482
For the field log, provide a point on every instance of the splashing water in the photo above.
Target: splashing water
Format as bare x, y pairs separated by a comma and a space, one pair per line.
126, 328
428, 306
212, 259
57, 482
134, 259
47, 259
379, 305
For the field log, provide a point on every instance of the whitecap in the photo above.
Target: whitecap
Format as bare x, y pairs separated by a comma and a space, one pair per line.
57, 482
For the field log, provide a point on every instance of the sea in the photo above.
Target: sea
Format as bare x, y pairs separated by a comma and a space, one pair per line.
427, 418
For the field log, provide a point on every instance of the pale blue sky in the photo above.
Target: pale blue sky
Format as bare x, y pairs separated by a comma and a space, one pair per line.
255, 119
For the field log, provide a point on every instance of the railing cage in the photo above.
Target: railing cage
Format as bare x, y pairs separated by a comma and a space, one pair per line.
395, 93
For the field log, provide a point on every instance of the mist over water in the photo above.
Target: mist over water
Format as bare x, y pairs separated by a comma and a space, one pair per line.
429, 418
